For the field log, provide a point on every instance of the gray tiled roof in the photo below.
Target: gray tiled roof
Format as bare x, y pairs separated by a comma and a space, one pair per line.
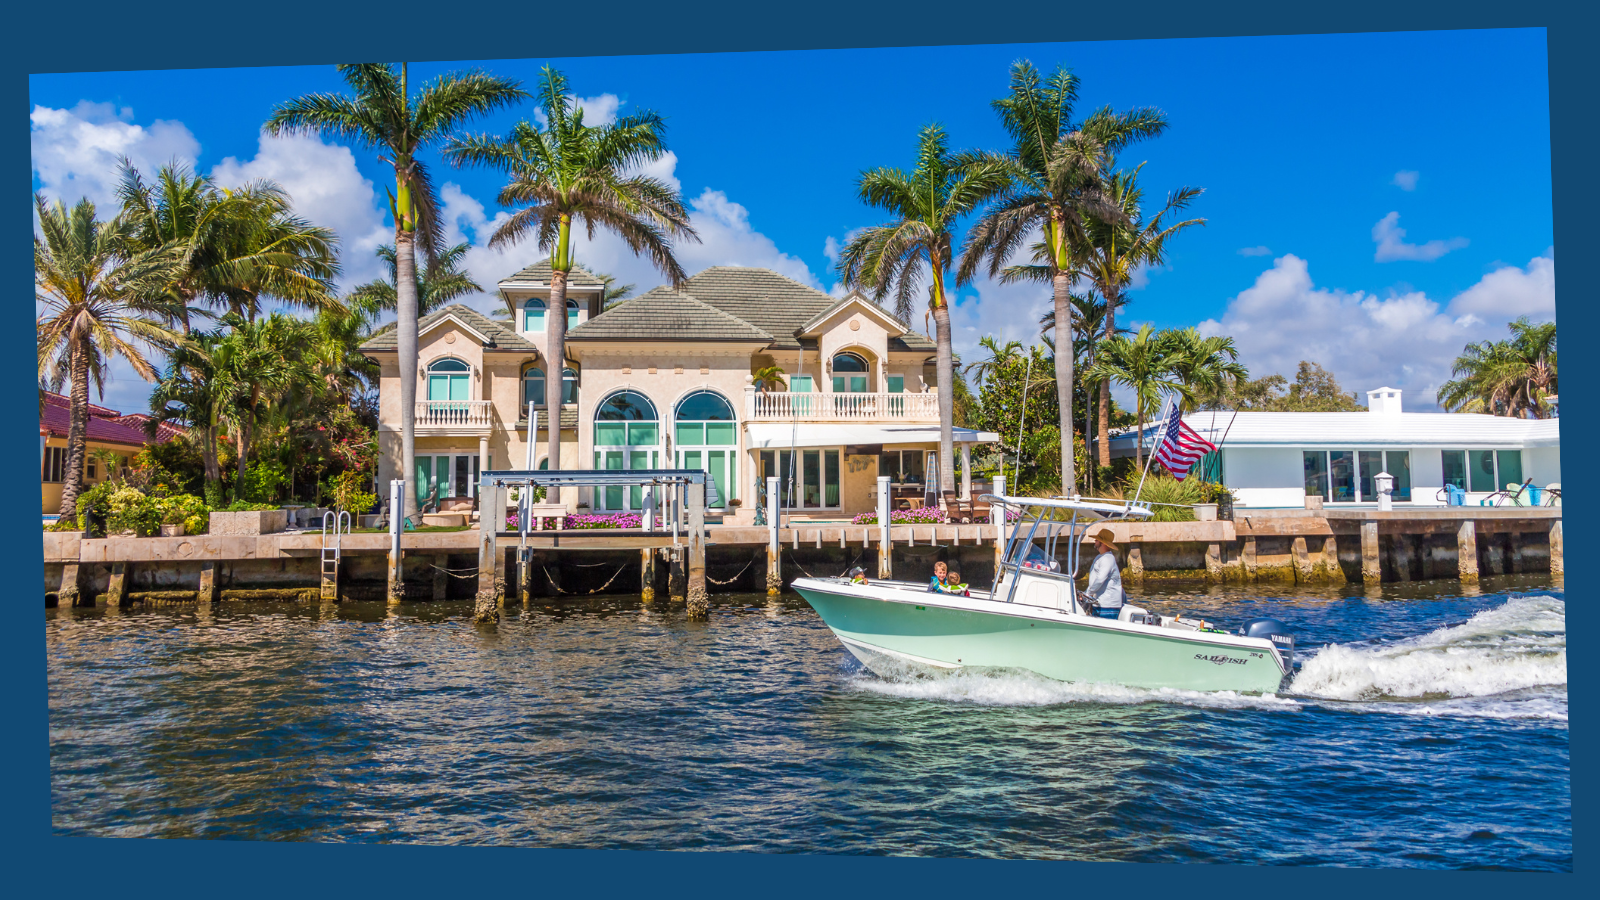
501, 335
845, 301
540, 272
665, 314
569, 418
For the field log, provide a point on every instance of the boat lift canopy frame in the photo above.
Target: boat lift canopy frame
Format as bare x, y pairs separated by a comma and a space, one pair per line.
1013, 556
591, 477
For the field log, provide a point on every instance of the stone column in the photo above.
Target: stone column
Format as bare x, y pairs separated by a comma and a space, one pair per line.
1248, 559
966, 472
483, 454
209, 590
1493, 553
1402, 557
1556, 566
491, 584
1330, 560
647, 575
1304, 572
1467, 551
1135, 559
698, 603
117, 592
1371, 562
1214, 573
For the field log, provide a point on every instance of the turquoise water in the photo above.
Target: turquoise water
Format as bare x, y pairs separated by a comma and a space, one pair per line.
1424, 729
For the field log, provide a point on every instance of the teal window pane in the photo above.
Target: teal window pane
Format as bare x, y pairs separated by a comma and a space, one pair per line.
1480, 466
569, 386
720, 434
897, 384
1341, 472
613, 492
1371, 464
458, 387
438, 387
830, 478
838, 384
610, 434
533, 319
799, 384
1398, 464
691, 434
858, 384
812, 483
643, 434
532, 388
572, 314
691, 460
637, 459
1510, 466
1455, 468
717, 465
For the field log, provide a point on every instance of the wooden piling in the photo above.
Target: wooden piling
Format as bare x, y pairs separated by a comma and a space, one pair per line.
441, 577
1304, 571
698, 603
1135, 559
491, 582
117, 592
1214, 573
1493, 555
1371, 561
1556, 566
647, 575
210, 590
1467, 551
677, 577
1400, 548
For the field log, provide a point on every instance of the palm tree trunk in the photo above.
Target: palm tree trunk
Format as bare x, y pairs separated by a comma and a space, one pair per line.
946, 387
1063, 303
243, 443
77, 431
406, 335
556, 359
1138, 443
1104, 431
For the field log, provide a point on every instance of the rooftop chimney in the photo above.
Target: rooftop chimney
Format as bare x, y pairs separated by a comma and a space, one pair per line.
1384, 401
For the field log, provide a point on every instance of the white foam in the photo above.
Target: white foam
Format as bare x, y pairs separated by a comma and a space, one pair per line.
1516, 646
1027, 689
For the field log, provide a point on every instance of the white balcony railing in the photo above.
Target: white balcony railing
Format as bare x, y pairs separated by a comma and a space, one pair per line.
454, 415
825, 407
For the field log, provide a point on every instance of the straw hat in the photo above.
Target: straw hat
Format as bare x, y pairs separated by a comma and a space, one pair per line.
1106, 536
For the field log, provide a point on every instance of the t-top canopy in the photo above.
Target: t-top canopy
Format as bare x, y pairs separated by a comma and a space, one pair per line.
1106, 508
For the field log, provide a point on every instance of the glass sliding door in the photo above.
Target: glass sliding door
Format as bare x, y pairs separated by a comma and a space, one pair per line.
1480, 466
1398, 464
1371, 463
1510, 463
627, 437
1455, 468
1316, 472
1342, 475
814, 486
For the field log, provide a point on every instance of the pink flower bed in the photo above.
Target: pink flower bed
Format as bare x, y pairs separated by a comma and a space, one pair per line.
610, 520
927, 515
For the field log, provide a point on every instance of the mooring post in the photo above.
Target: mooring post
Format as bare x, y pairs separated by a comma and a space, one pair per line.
1330, 560
647, 575
1556, 566
1304, 572
1492, 553
441, 577
397, 515
1214, 563
1135, 559
117, 591
1401, 557
774, 573
885, 565
1247, 559
491, 589
209, 591
699, 605
677, 578
1371, 562
1467, 551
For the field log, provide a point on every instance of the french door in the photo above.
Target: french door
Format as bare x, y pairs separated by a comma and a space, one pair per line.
448, 474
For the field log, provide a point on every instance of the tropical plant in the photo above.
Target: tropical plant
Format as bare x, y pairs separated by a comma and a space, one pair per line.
926, 204
1314, 390
612, 293
1057, 188
998, 357
383, 114
1511, 377
99, 296
769, 378
569, 171
1205, 365
1145, 363
439, 281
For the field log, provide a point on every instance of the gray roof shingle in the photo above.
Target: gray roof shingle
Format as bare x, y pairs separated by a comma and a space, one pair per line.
501, 335
540, 272
664, 314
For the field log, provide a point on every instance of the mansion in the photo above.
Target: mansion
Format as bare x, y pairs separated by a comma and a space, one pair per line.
668, 380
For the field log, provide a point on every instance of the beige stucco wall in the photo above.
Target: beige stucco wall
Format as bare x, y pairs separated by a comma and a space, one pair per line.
857, 483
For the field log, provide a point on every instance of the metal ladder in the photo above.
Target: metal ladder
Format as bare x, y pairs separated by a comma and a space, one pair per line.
341, 525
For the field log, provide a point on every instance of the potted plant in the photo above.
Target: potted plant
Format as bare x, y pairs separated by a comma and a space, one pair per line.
172, 522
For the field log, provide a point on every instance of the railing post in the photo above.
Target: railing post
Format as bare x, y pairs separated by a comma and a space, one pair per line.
774, 574
885, 568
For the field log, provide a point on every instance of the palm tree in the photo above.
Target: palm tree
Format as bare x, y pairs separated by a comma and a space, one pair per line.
569, 171
191, 394
230, 247
1207, 366
99, 296
1057, 188
1512, 377
257, 362
1146, 363
439, 281
769, 378
926, 204
1089, 313
998, 357
612, 293
1117, 248
384, 115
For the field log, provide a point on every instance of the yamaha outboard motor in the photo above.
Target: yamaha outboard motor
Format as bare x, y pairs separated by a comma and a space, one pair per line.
1275, 631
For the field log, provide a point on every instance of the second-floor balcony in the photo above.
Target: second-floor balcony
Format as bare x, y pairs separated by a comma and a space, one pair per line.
453, 416
841, 407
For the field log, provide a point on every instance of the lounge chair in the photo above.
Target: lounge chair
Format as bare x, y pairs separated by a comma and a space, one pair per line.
1551, 495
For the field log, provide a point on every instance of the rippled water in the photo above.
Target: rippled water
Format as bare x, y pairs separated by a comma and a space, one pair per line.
1424, 729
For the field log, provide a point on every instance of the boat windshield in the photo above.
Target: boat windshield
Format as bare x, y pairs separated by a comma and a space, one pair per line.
1039, 524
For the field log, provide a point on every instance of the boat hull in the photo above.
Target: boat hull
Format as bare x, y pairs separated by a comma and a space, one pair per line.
890, 631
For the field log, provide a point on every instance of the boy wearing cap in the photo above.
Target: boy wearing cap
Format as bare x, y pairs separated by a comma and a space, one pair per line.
1104, 592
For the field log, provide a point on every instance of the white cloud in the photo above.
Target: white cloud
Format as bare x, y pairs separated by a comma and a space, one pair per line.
601, 110
1407, 341
1255, 251
326, 188
1406, 179
75, 151
1392, 246
831, 248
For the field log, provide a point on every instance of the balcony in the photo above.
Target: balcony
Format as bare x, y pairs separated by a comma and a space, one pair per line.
827, 407
453, 417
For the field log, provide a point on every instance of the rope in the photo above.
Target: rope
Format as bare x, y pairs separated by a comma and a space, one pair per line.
471, 573
734, 578
797, 565
579, 593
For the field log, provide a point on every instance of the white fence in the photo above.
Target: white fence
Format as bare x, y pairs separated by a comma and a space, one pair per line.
824, 407
453, 414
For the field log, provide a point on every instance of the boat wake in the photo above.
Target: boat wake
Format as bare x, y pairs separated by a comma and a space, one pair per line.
1021, 688
1508, 662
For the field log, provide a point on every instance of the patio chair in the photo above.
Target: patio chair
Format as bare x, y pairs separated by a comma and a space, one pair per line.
1520, 494
953, 509
1551, 494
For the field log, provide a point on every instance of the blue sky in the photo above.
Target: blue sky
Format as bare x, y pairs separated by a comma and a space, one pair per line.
1373, 201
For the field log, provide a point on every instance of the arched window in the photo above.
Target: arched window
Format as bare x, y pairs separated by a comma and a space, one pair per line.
533, 314
569, 386
627, 435
706, 440
447, 379
572, 314
533, 387
849, 374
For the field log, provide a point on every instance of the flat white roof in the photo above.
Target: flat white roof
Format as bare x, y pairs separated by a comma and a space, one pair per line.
1348, 429
772, 435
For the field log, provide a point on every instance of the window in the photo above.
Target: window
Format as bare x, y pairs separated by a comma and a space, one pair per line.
447, 475
627, 435
572, 314
801, 384
89, 468
1455, 468
1316, 471
1480, 465
447, 379
532, 388
845, 379
1349, 476
704, 429
818, 483
1510, 463
533, 315
897, 384
569, 386
55, 464
904, 467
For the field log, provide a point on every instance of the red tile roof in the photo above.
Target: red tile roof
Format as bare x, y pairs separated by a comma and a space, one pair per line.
105, 425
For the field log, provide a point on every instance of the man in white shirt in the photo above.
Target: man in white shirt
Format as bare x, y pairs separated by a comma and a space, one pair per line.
1105, 577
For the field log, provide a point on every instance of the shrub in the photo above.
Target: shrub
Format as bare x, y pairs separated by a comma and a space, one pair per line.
187, 509
347, 494
94, 508
65, 523
1177, 496
131, 510
612, 520
264, 479
247, 506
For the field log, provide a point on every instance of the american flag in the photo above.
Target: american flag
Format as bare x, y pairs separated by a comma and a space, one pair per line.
1177, 446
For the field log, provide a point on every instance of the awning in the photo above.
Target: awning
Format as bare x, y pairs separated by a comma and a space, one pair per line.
771, 435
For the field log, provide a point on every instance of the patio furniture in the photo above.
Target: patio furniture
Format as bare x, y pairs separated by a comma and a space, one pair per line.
1552, 494
953, 509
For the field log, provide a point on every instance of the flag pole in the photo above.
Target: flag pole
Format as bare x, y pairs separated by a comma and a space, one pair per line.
1151, 457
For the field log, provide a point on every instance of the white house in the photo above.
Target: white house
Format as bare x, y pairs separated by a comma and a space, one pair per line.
1276, 459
